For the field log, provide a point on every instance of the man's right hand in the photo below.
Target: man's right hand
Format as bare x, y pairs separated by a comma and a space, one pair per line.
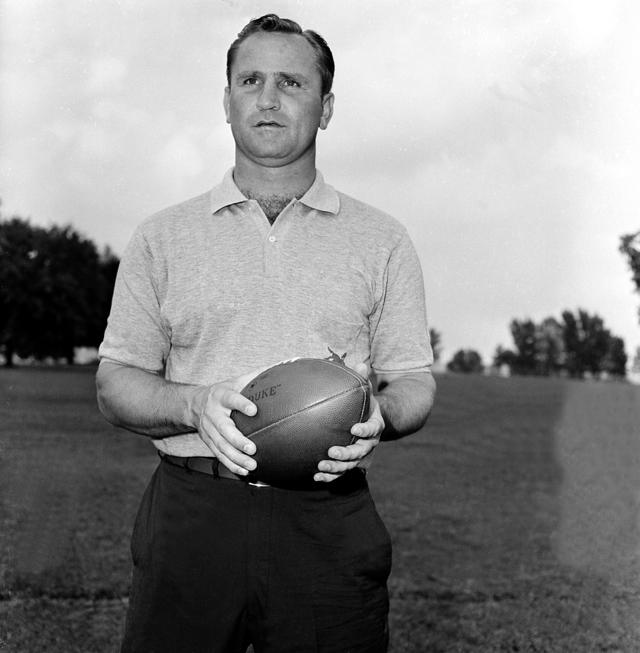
216, 428
144, 402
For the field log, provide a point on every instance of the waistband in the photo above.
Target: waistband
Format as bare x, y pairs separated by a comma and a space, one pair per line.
211, 466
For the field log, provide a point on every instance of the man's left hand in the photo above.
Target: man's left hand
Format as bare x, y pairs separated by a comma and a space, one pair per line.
368, 436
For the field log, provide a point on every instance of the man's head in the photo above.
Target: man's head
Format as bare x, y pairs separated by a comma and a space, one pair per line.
276, 99
274, 24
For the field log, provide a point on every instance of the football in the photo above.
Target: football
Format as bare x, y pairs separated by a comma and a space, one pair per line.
305, 406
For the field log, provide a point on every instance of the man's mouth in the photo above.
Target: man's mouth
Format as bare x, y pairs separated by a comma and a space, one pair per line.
268, 123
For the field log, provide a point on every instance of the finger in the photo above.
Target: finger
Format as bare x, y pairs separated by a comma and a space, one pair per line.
231, 458
368, 429
235, 460
223, 434
326, 478
235, 438
355, 451
337, 467
231, 465
232, 400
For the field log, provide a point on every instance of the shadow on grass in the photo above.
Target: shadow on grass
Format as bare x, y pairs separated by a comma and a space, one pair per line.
488, 511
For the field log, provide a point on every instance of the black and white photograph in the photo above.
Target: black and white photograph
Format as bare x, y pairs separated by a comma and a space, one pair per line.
319, 326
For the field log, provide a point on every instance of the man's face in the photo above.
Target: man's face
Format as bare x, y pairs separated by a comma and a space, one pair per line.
274, 103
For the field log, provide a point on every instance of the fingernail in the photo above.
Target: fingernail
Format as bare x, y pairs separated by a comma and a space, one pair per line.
249, 448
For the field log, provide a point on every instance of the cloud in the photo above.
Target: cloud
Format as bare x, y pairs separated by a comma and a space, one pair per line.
106, 74
180, 157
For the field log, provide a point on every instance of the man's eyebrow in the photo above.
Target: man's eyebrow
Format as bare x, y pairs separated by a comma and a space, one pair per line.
248, 73
299, 77
284, 73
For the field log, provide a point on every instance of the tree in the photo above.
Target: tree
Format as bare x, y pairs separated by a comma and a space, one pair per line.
615, 360
55, 290
630, 246
466, 361
577, 345
436, 343
504, 356
587, 343
19, 244
524, 334
550, 353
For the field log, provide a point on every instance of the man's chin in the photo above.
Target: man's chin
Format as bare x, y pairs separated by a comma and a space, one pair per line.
273, 159
274, 155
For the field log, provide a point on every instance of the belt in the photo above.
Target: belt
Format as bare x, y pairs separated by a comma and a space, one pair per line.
206, 465
211, 466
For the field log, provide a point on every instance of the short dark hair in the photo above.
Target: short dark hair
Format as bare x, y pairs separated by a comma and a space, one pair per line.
273, 23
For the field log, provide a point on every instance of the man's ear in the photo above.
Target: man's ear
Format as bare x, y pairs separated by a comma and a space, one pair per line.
225, 103
327, 110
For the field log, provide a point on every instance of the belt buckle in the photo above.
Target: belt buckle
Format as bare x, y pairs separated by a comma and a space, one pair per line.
258, 484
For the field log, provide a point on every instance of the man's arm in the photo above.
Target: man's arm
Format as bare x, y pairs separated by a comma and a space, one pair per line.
405, 403
400, 407
143, 402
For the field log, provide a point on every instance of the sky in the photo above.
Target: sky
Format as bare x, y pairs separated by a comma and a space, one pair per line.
505, 135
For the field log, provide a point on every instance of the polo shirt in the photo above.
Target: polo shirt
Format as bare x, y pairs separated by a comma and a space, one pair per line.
209, 289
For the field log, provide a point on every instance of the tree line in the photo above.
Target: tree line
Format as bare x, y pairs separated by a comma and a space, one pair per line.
55, 291
576, 345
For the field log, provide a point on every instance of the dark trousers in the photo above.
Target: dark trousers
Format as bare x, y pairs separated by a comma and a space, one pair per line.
220, 564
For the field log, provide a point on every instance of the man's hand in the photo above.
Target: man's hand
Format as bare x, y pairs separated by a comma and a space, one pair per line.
218, 431
368, 437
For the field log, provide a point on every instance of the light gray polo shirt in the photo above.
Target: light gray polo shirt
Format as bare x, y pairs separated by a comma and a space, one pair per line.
208, 290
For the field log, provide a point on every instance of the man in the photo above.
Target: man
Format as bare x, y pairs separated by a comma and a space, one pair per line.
272, 264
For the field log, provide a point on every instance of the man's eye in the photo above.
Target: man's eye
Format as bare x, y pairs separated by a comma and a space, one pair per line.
250, 81
290, 83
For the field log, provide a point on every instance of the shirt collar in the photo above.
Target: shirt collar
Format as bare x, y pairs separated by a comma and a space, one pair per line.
226, 193
321, 196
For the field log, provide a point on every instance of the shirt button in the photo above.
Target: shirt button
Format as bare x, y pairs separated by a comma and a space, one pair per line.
272, 239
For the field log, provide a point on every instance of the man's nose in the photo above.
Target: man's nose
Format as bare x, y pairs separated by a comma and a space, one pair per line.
269, 97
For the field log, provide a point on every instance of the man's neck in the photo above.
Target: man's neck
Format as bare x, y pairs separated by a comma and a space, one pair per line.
273, 185
271, 205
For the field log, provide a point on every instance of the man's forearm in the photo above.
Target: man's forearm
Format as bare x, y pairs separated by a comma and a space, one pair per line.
405, 403
146, 403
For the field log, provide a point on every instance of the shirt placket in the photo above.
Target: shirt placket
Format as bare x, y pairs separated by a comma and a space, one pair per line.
274, 240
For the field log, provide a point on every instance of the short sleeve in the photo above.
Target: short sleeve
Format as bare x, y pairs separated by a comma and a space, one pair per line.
399, 332
136, 334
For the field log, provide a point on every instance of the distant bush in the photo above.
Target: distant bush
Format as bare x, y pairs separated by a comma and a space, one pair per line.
466, 361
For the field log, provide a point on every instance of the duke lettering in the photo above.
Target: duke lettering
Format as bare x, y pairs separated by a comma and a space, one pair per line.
265, 393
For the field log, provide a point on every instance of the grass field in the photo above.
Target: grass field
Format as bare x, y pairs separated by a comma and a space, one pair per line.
515, 517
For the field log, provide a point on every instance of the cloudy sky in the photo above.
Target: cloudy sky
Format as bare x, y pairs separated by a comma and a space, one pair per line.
503, 134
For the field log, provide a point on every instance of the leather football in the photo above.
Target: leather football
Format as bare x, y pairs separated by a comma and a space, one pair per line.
305, 406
